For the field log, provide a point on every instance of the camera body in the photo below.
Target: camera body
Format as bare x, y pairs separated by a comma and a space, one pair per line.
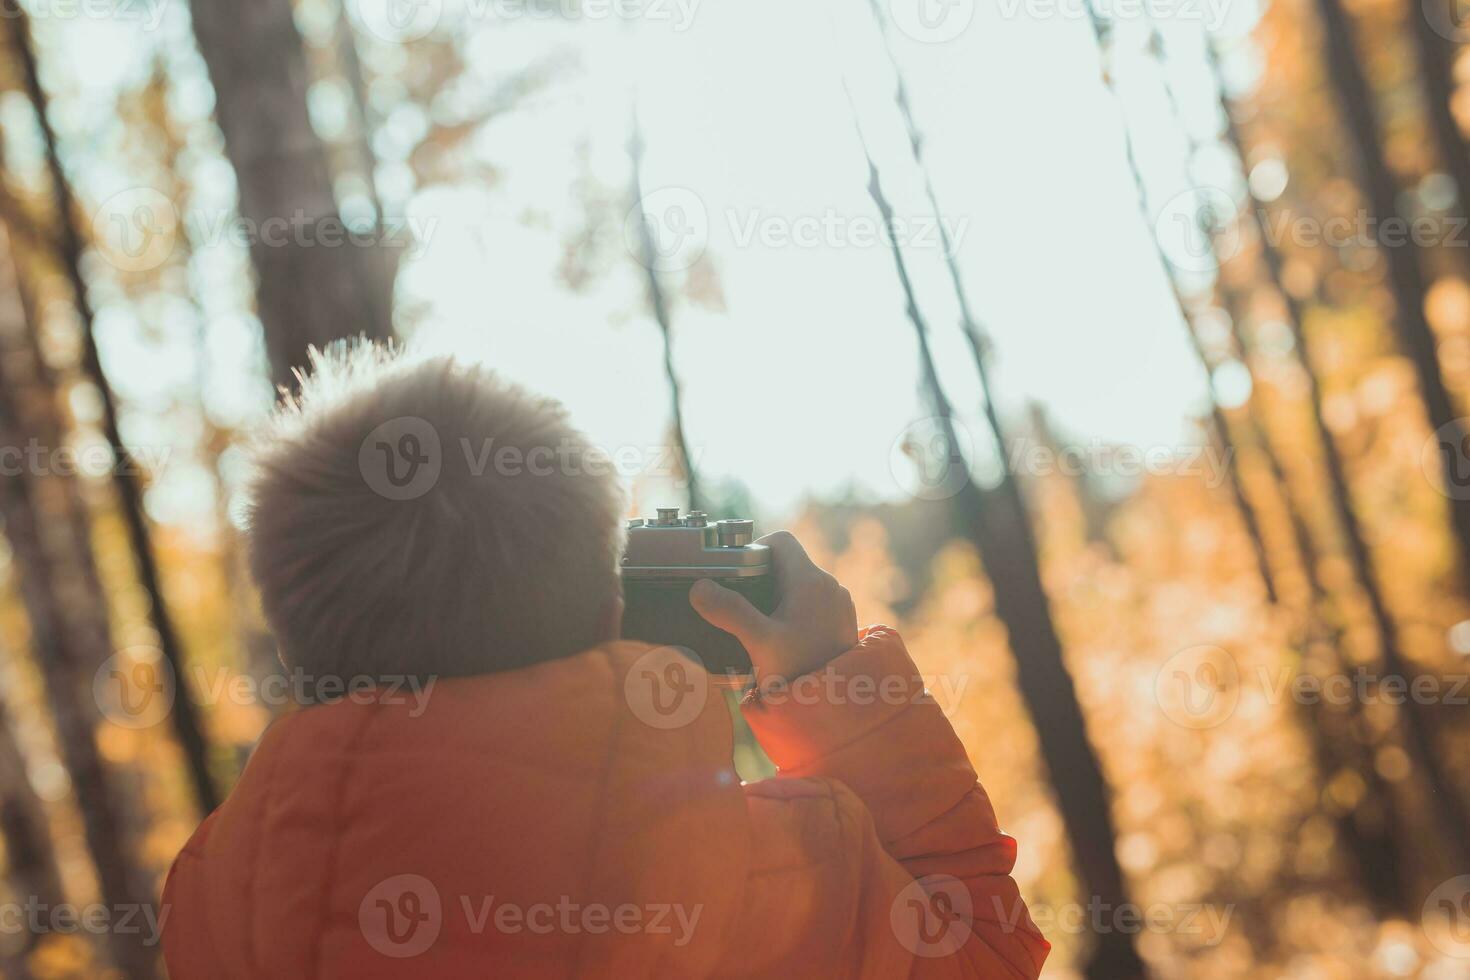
667, 555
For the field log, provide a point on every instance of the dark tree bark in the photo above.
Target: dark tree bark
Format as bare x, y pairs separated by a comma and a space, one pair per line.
257, 648
975, 334
1370, 831
1437, 73
25, 230
48, 534
184, 716
998, 525
1419, 742
1236, 306
648, 257
1405, 276
1217, 427
1258, 431
1094, 509
349, 62
30, 855
308, 292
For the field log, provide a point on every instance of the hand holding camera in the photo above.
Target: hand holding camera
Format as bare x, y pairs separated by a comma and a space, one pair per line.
741, 606
814, 620
665, 557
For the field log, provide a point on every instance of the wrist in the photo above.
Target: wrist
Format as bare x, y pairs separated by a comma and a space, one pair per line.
800, 720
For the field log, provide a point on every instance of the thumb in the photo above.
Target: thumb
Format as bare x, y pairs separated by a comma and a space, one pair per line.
728, 610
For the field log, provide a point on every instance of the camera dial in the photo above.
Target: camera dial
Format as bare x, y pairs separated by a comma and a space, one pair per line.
735, 534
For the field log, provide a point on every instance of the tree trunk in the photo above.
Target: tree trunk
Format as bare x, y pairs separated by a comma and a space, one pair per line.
1216, 426
184, 716
1437, 73
1093, 509
1405, 277
658, 302
1370, 831
999, 527
1236, 307
349, 63
48, 535
29, 852
1445, 800
309, 292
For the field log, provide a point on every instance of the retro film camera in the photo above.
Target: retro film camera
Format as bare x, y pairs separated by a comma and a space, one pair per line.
667, 555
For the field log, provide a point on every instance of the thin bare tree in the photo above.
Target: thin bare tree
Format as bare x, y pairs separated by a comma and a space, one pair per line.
1438, 48
47, 528
30, 854
1371, 829
125, 481
1445, 800
1236, 304
649, 258
349, 63
1406, 279
258, 652
1092, 506
998, 525
1217, 425
309, 291
976, 336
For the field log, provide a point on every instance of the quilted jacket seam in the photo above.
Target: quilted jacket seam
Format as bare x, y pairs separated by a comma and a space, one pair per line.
343, 780
598, 831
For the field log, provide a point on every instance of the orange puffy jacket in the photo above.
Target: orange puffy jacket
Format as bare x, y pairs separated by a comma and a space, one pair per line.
572, 819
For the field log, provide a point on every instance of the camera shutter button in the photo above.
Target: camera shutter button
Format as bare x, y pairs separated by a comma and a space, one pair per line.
735, 534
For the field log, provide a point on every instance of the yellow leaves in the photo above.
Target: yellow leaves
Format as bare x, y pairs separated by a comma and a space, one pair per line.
1237, 808
1299, 278
1341, 412
63, 956
1344, 791
118, 745
1448, 305
1393, 764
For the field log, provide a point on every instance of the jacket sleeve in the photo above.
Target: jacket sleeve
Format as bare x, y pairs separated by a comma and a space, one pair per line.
876, 831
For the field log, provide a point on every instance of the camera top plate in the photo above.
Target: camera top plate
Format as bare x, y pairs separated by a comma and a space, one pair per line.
691, 547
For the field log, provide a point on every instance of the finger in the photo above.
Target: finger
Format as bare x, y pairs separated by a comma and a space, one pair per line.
789, 559
796, 574
729, 611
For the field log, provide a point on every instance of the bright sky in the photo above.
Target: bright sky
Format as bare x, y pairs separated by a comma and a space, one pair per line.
804, 383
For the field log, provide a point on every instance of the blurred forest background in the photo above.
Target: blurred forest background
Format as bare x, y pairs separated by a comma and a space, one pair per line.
1114, 352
